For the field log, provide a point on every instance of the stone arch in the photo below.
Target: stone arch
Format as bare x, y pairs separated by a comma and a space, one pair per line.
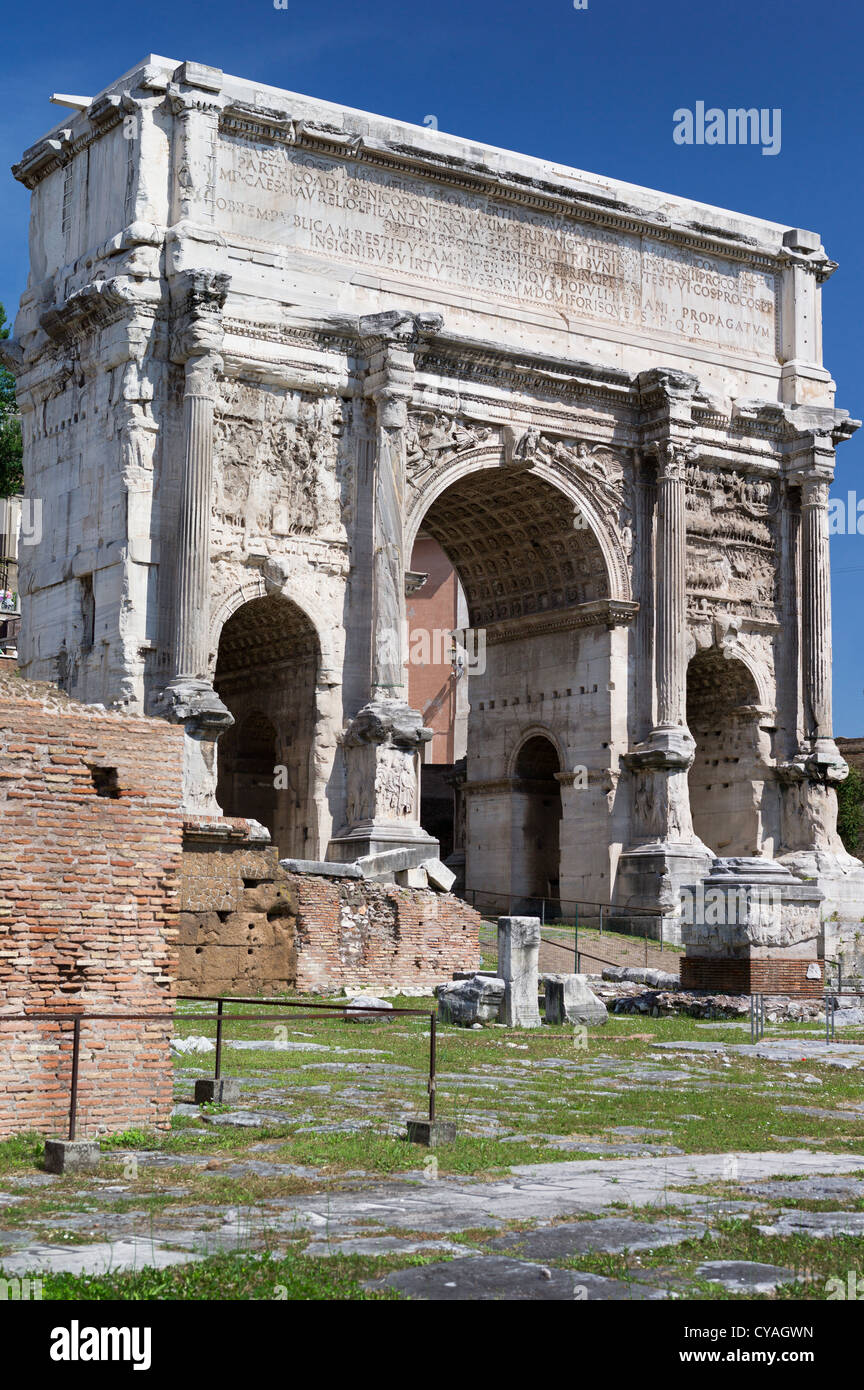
539, 589
728, 775
535, 825
490, 459
266, 672
532, 731
255, 586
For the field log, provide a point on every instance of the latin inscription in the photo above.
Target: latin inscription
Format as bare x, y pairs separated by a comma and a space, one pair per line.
420, 231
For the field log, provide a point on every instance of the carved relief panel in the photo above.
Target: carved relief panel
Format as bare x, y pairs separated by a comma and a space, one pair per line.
731, 540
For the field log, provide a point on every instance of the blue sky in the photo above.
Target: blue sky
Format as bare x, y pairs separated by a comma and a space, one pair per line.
594, 88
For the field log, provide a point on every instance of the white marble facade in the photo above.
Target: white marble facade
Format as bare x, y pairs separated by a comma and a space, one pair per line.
267, 339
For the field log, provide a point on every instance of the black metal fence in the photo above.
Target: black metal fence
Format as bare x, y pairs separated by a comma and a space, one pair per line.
348, 1012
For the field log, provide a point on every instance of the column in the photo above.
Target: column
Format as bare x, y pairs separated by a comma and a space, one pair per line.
193, 554
816, 606
663, 852
671, 598
382, 742
189, 697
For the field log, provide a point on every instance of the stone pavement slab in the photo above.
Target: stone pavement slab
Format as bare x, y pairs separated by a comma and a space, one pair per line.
821, 1224
497, 1278
810, 1189
745, 1276
611, 1235
102, 1258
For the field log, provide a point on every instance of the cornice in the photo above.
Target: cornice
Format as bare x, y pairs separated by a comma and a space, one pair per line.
278, 127
605, 612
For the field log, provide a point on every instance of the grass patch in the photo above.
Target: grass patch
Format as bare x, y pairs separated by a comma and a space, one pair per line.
228, 1277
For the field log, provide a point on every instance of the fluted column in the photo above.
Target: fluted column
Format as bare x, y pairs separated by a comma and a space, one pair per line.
671, 600
809, 777
816, 607
664, 852
189, 697
193, 549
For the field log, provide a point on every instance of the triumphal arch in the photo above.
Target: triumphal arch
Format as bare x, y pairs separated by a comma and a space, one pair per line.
268, 343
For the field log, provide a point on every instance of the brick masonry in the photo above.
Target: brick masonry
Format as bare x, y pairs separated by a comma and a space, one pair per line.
355, 933
247, 926
752, 976
90, 855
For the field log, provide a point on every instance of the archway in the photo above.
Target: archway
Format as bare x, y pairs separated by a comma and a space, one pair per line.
536, 828
537, 650
726, 780
266, 672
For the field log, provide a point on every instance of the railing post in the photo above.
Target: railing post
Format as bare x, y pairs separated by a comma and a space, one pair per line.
73, 1102
433, 1020
219, 1007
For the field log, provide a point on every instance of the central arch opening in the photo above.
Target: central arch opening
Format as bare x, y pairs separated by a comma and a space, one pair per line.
266, 673
506, 558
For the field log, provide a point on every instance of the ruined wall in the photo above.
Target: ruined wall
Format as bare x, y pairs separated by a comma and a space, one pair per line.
355, 933
238, 915
89, 883
249, 927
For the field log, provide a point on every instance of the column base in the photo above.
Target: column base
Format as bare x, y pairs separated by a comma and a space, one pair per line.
363, 840
652, 876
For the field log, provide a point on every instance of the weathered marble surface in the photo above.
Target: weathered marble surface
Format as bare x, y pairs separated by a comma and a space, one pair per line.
266, 339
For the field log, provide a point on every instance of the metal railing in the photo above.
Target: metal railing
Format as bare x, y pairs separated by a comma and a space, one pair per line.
348, 1012
757, 1012
586, 916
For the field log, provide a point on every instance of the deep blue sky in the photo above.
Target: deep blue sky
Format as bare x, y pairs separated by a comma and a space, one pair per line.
594, 88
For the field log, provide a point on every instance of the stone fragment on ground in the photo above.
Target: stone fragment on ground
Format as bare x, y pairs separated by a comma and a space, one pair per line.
745, 1276
570, 1000
816, 1224
657, 979
466, 1002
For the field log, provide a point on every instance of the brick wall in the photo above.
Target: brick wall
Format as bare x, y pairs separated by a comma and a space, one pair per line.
752, 976
355, 933
90, 846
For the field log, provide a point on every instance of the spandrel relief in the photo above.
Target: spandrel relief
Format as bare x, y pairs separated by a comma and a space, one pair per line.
279, 466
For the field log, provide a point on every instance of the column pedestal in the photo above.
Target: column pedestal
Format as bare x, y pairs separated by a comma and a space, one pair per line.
382, 768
